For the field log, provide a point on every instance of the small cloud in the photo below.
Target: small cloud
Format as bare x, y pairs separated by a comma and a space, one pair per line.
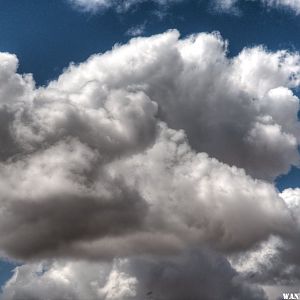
225, 6
136, 30
91, 6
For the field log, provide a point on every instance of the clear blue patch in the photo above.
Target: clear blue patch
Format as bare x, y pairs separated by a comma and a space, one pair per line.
6, 269
291, 180
48, 35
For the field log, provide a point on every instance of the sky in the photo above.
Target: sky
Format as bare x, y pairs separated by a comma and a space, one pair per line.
149, 149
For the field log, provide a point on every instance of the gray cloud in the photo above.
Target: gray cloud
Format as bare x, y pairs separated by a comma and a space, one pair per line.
49, 200
66, 200
200, 274
275, 263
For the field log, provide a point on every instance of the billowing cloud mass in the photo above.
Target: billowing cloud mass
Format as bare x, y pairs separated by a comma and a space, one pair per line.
152, 149
225, 6
244, 103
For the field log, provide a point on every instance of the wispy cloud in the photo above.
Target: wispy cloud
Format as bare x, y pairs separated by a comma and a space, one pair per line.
136, 30
221, 6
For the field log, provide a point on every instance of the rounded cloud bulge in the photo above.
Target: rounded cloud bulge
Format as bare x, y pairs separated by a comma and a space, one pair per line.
121, 154
245, 103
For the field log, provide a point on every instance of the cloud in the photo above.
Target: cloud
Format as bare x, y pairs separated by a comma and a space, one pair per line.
225, 7
160, 201
232, 6
94, 6
70, 280
190, 78
197, 274
136, 30
109, 159
142, 156
91, 5
220, 6
293, 5
274, 263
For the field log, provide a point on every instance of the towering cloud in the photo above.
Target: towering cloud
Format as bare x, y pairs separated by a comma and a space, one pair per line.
158, 147
229, 108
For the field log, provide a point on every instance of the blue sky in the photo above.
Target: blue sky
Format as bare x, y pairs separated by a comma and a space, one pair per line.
47, 35
61, 34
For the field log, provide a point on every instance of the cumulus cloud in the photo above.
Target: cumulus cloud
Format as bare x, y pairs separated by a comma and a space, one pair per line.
152, 148
197, 274
95, 141
229, 108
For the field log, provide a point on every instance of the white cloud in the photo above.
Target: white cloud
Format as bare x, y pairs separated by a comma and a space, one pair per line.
136, 30
293, 5
232, 6
120, 5
92, 5
196, 274
69, 280
292, 198
190, 78
221, 6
